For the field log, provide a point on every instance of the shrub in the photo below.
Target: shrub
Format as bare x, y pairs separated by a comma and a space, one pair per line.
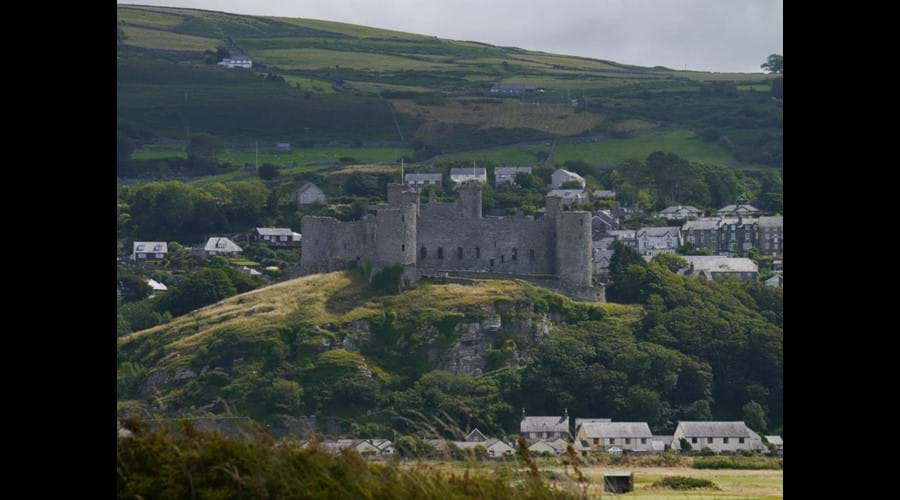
267, 171
685, 483
752, 463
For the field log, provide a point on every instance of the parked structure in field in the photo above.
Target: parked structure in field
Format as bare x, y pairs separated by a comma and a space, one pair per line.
149, 250
715, 267
455, 239
463, 175
513, 89
656, 240
507, 175
537, 428
601, 436
237, 61
681, 212
618, 482
309, 194
221, 246
276, 236
563, 176
423, 179
717, 436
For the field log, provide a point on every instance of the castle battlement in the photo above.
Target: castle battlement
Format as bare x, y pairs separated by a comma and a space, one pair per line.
455, 238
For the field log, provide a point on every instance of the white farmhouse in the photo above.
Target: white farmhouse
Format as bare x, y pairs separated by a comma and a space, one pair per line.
221, 246
149, 250
655, 240
563, 176
536, 428
237, 61
717, 436
633, 436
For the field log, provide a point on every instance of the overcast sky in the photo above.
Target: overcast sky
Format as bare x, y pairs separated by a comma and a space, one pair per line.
707, 35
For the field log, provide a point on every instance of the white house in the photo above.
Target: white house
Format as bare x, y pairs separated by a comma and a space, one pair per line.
633, 436
221, 246
237, 61
507, 175
717, 436
563, 176
536, 428
680, 212
309, 193
275, 235
569, 196
655, 240
149, 250
156, 286
716, 267
466, 174
422, 179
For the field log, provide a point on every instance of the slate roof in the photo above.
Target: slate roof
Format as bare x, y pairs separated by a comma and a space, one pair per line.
510, 171
274, 231
678, 208
617, 430
774, 221
626, 234
738, 209
570, 175
715, 429
776, 440
151, 247
579, 421
476, 435
604, 193
216, 244
478, 171
658, 231
423, 177
702, 223
544, 424
715, 263
306, 187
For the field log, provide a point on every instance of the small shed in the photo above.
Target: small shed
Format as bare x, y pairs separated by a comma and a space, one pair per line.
618, 482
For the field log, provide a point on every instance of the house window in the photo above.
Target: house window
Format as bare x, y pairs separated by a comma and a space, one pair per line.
741, 440
627, 440
643, 440
440, 252
423, 252
709, 440
612, 440
725, 440
502, 258
596, 441
459, 253
694, 440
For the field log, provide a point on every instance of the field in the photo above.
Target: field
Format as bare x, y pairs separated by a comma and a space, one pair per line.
743, 484
614, 151
166, 40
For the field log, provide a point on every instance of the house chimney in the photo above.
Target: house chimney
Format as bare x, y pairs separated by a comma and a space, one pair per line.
523, 413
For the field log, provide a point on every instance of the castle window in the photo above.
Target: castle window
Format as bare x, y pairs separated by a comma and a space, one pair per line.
531, 254
424, 252
492, 262
502, 258
402, 248
459, 253
402, 218
440, 252
515, 255
477, 252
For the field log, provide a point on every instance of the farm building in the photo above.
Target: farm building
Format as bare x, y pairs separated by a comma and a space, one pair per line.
602, 436
717, 436
476, 436
537, 428
309, 194
149, 250
563, 176
507, 175
221, 246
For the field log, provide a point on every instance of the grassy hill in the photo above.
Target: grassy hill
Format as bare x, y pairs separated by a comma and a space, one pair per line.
361, 87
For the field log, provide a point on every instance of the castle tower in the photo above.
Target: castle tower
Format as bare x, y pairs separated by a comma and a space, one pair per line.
573, 245
395, 229
470, 200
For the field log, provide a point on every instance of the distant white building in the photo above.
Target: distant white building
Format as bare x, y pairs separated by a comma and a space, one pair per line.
238, 61
149, 250
423, 179
156, 286
275, 235
563, 176
656, 240
680, 212
740, 209
717, 436
221, 246
507, 175
602, 436
466, 174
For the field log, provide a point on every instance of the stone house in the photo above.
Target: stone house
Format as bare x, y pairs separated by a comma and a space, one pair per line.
680, 212
221, 246
737, 235
716, 267
702, 233
655, 240
563, 176
537, 428
309, 194
461, 175
601, 436
149, 250
726, 235
507, 175
717, 436
771, 235
419, 180
626, 236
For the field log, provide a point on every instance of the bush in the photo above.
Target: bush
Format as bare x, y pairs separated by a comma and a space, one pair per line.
751, 463
267, 171
685, 483
388, 279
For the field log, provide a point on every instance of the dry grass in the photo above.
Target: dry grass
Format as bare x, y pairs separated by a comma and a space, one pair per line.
166, 40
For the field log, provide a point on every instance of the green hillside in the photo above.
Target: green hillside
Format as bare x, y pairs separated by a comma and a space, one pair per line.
355, 86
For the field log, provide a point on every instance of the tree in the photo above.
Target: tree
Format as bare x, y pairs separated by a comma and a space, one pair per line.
755, 416
199, 288
134, 288
672, 262
267, 171
774, 64
359, 184
205, 146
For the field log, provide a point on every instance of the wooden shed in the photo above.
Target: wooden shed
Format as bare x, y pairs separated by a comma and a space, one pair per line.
618, 482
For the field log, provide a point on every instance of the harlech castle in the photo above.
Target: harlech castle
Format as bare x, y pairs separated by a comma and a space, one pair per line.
455, 240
